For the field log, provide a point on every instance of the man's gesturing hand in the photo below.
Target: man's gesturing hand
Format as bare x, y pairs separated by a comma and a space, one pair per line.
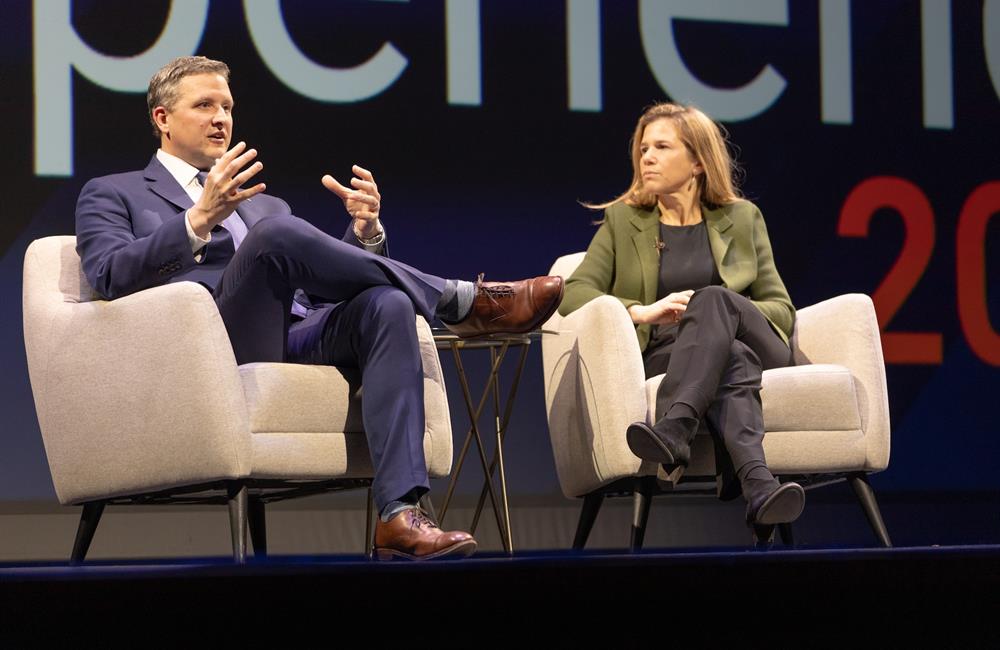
362, 202
222, 193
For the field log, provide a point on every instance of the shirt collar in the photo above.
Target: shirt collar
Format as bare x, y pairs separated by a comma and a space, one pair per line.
182, 172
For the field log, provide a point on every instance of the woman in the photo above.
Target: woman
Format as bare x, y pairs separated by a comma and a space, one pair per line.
692, 264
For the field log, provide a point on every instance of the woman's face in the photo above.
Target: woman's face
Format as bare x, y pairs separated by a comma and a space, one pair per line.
666, 165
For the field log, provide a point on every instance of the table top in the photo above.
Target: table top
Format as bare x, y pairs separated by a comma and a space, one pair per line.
444, 339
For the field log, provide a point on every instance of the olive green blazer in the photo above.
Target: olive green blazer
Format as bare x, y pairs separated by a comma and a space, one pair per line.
623, 261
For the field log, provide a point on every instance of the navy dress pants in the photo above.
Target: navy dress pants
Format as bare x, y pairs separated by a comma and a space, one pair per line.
369, 327
714, 364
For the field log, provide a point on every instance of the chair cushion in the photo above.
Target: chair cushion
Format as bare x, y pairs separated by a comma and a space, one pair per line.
818, 397
288, 397
306, 421
814, 402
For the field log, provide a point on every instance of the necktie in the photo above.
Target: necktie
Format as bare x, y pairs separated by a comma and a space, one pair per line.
235, 226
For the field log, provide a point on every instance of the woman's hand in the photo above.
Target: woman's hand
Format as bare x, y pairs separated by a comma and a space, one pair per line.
665, 311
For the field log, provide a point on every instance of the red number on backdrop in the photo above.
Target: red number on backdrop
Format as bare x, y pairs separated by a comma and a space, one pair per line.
912, 205
982, 204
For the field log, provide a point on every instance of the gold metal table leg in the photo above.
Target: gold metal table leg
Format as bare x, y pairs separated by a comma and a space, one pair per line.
468, 436
369, 539
474, 414
499, 456
501, 428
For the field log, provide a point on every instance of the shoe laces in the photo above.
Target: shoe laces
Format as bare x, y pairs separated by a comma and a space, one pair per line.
492, 293
420, 518
495, 291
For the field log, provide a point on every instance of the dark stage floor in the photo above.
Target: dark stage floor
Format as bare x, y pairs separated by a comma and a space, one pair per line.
828, 594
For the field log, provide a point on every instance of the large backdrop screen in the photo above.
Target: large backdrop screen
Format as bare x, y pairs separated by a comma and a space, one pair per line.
867, 131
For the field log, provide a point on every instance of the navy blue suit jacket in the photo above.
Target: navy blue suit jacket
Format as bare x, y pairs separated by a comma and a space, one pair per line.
130, 233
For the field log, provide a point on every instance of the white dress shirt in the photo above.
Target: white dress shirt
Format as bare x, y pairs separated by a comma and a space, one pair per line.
186, 176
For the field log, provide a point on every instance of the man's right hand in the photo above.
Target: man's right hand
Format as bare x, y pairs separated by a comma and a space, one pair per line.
222, 193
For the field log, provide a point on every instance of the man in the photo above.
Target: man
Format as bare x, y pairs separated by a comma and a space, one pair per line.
287, 291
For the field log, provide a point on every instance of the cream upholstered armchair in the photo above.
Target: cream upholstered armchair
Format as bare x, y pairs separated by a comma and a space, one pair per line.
140, 400
827, 418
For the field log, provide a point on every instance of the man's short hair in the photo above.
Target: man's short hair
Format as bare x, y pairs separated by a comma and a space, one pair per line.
163, 86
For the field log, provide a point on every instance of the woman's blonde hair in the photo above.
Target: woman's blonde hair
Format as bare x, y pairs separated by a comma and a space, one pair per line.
707, 143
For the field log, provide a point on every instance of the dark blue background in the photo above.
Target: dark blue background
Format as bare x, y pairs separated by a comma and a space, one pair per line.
495, 187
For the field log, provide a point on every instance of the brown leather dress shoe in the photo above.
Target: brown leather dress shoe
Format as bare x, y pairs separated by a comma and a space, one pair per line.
510, 307
412, 535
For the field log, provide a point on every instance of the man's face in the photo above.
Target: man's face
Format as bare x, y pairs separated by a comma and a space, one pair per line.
200, 125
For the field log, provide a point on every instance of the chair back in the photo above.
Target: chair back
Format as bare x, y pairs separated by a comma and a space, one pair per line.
53, 284
563, 267
576, 415
132, 395
52, 267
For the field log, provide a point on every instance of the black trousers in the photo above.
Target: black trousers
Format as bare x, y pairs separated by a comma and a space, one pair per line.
713, 365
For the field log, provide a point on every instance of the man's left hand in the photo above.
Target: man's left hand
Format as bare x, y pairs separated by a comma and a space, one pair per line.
362, 202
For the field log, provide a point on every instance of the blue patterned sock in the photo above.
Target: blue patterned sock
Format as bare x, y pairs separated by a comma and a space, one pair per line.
456, 300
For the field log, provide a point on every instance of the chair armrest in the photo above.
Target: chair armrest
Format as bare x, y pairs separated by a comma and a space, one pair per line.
437, 415
594, 381
844, 331
136, 394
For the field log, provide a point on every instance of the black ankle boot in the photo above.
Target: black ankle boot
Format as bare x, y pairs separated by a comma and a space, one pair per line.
781, 505
668, 442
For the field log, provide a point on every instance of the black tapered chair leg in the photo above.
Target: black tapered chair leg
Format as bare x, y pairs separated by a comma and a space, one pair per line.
866, 496
238, 506
640, 515
258, 527
89, 518
588, 514
763, 536
787, 536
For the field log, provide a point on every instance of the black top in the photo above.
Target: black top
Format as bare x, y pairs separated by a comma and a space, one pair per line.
686, 262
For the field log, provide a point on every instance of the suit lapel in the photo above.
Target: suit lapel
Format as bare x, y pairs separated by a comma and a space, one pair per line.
718, 238
163, 185
648, 224
166, 187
